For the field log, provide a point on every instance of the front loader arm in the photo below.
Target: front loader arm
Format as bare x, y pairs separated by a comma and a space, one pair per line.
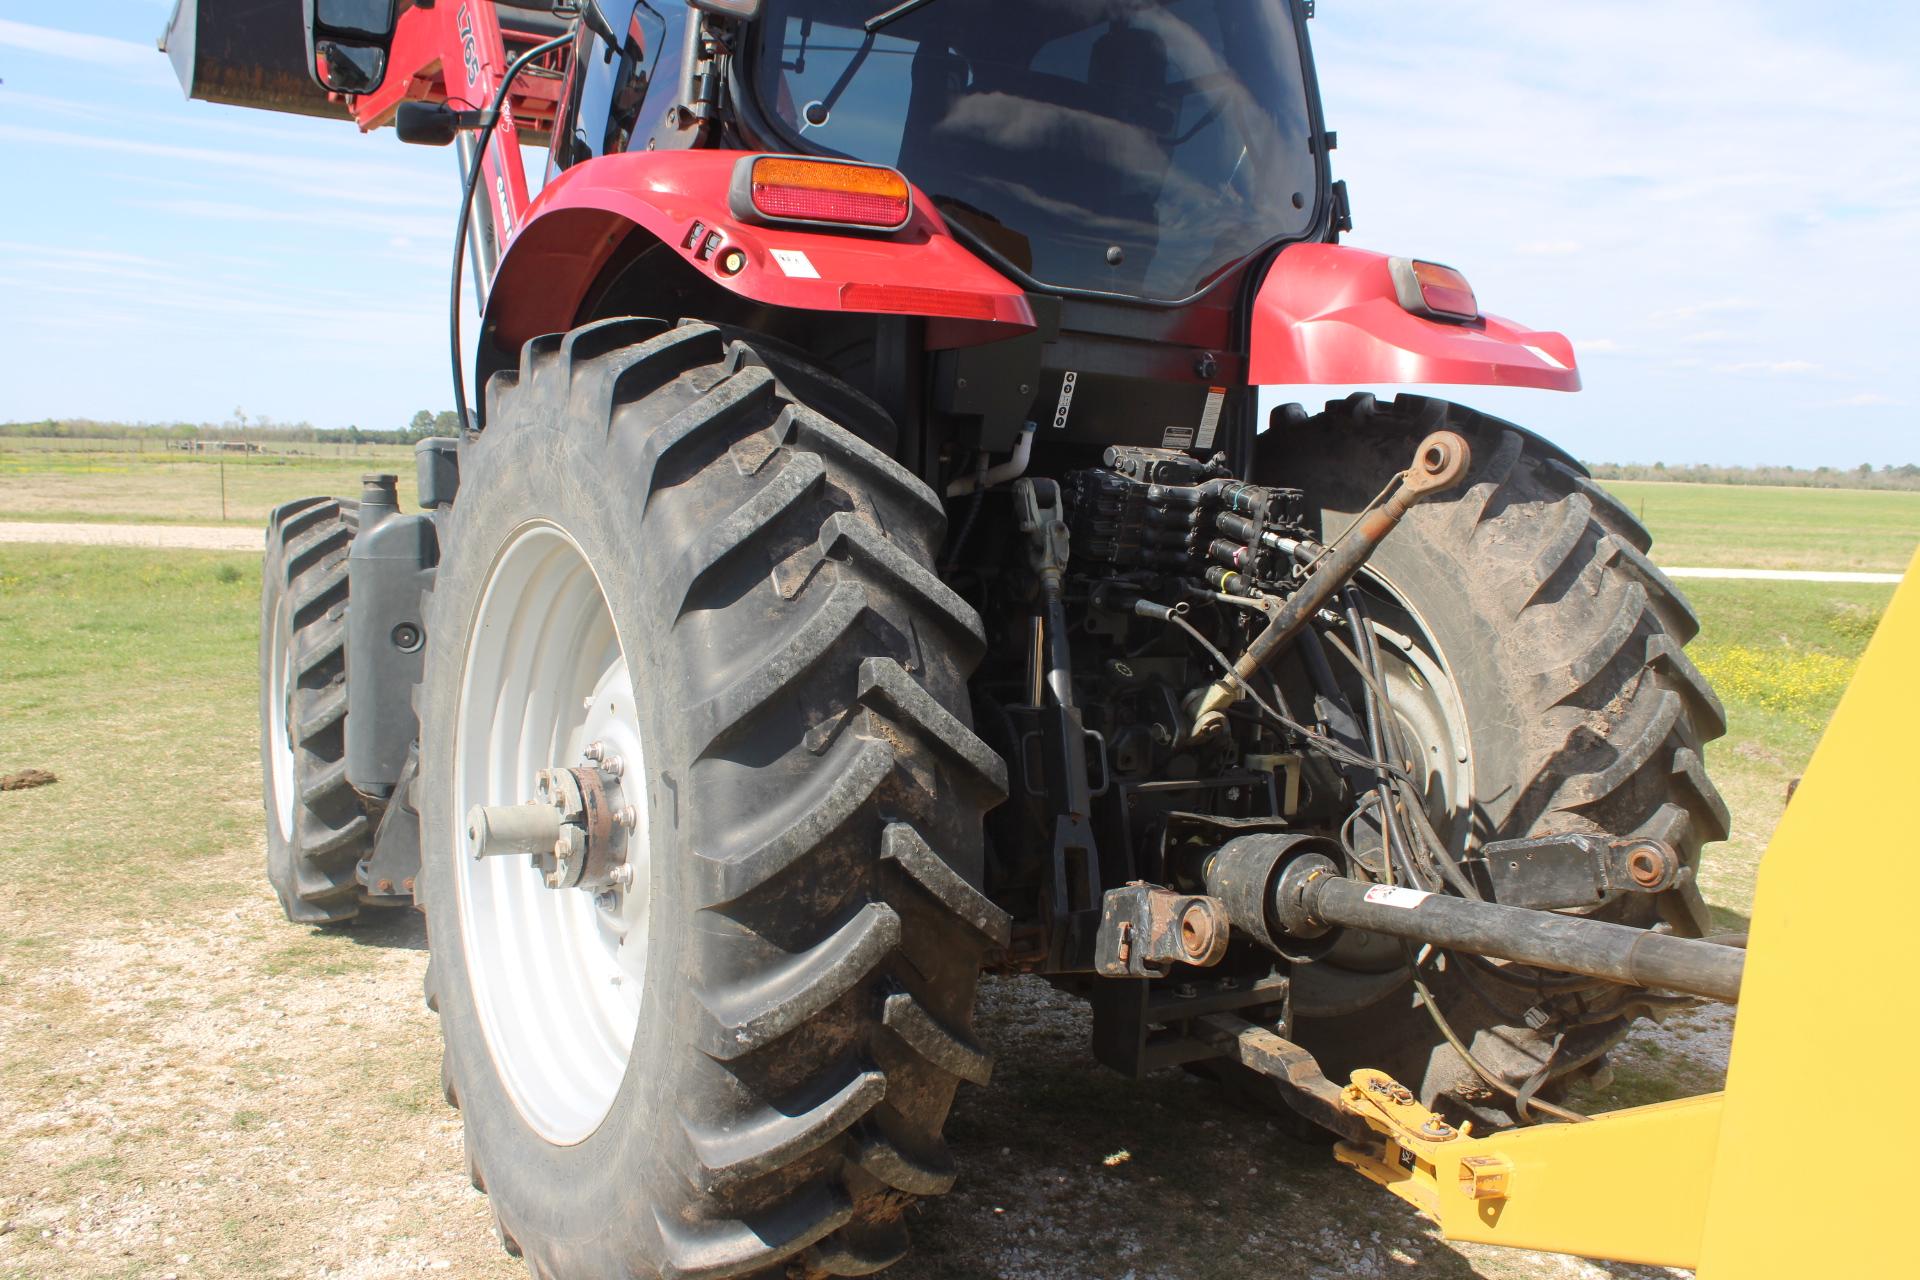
456, 52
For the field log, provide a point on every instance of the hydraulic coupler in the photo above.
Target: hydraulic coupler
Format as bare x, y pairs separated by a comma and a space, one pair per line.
1439, 464
1303, 896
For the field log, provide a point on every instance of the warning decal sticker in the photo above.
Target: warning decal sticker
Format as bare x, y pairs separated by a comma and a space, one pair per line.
795, 263
1393, 895
1210, 417
1066, 400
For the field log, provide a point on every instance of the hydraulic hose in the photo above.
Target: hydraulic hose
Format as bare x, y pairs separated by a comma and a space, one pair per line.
490, 119
1439, 464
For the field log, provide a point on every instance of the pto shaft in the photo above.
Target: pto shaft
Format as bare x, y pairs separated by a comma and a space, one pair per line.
1570, 944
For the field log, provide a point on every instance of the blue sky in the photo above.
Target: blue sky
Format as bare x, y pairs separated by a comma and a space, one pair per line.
1719, 203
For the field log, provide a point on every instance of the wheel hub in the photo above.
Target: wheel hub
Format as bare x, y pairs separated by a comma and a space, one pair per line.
575, 831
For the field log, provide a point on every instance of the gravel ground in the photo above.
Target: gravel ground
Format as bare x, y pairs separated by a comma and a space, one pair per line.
177, 536
227, 1095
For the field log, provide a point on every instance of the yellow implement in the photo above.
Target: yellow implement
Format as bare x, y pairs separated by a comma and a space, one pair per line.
1774, 1176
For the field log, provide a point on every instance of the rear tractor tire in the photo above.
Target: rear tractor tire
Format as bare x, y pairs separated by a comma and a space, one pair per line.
737, 1061
1535, 658
318, 829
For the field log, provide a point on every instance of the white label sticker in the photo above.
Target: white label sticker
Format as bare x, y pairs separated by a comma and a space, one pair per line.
795, 263
1177, 438
1066, 400
1547, 356
1393, 895
1210, 417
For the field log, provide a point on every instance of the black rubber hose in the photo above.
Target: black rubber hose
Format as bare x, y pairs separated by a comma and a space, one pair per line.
489, 121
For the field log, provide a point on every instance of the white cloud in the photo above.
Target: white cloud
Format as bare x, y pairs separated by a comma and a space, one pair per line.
367, 182
1547, 248
1696, 310
101, 51
1861, 400
1728, 197
1775, 367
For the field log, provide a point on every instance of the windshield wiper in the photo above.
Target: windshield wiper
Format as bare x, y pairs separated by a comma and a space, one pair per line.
888, 17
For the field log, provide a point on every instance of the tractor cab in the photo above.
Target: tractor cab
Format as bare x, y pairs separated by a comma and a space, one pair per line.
1141, 151
1130, 150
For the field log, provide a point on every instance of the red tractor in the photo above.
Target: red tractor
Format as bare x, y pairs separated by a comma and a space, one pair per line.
863, 566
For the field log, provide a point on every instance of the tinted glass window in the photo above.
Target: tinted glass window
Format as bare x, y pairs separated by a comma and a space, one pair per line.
1115, 145
607, 86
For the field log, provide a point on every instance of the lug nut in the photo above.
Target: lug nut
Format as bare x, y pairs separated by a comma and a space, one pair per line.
613, 766
622, 876
628, 817
595, 750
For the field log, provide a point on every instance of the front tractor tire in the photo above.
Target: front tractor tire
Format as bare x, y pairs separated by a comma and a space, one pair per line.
737, 1062
318, 829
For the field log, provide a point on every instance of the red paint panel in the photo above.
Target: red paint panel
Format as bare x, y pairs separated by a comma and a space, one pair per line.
580, 218
1328, 314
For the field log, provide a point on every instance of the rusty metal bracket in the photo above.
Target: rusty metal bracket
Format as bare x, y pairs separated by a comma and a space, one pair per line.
1303, 1086
1578, 869
1146, 930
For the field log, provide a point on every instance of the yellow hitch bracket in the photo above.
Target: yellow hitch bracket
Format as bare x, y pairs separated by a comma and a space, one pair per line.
1630, 1185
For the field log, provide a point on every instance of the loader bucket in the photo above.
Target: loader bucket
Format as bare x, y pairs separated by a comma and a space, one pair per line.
246, 53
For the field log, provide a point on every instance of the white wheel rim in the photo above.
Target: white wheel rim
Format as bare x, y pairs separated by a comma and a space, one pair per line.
1426, 702
557, 974
279, 731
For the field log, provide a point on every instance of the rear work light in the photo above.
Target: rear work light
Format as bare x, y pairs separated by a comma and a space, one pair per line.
832, 193
1431, 290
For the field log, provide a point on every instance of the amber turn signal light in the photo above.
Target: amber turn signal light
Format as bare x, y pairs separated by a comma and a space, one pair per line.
832, 193
1431, 290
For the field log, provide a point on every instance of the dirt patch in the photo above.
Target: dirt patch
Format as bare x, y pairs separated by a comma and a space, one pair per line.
175, 537
27, 779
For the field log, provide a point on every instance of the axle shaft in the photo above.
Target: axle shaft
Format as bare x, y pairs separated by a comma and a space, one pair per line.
512, 830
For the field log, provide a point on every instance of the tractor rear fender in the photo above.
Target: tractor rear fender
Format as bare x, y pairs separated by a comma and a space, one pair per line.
1328, 313
606, 212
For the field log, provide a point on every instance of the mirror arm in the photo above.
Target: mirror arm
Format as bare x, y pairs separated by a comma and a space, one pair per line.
589, 12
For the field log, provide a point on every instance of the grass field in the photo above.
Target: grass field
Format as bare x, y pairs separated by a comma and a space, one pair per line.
49, 480
1756, 527
1696, 524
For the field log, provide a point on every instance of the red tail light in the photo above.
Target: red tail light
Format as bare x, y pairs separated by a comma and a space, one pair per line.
1431, 290
793, 189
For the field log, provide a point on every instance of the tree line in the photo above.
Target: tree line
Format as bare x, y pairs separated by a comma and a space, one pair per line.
426, 423
262, 430
1864, 476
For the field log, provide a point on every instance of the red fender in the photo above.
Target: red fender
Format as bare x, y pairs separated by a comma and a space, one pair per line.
582, 217
1328, 313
